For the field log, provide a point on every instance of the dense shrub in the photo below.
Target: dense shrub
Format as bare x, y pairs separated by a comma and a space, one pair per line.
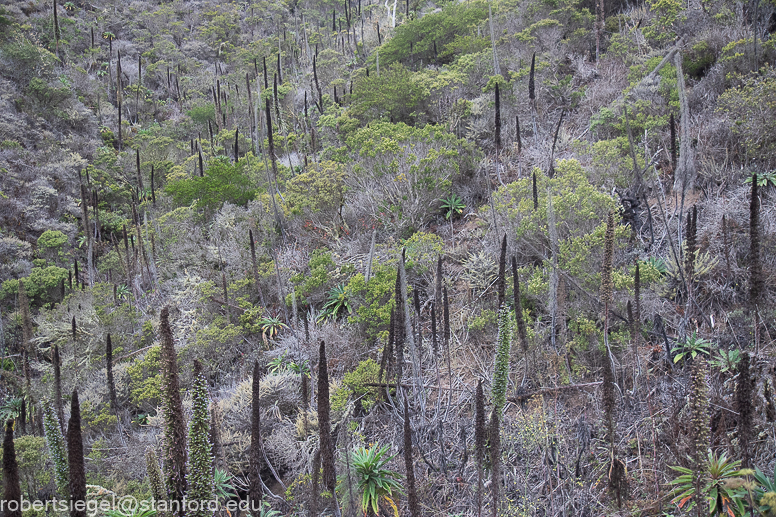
223, 182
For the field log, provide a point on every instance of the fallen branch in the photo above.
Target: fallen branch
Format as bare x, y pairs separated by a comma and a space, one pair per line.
541, 391
221, 302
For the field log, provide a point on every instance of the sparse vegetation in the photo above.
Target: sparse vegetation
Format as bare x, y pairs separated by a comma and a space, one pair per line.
236, 184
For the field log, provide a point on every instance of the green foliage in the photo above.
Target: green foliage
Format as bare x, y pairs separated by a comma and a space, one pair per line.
699, 59
422, 250
501, 367
452, 205
374, 480
280, 365
199, 475
720, 490
144, 379
481, 324
336, 302
394, 95
691, 346
40, 285
373, 300
223, 182
320, 188
221, 484
201, 114
766, 492
11, 408
309, 284
29, 60
367, 372
667, 14
51, 239
751, 110
46, 95
763, 178
727, 360
402, 171
580, 212
31, 460
271, 325
453, 30
57, 449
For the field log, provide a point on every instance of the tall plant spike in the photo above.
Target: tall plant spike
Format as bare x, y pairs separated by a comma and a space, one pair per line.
699, 429
109, 373
174, 459
324, 422
502, 269
521, 331
75, 459
254, 268
412, 495
398, 329
756, 282
498, 119
24, 312
672, 125
12, 490
57, 362
254, 452
408, 334
495, 461
744, 423
479, 442
55, 441
200, 469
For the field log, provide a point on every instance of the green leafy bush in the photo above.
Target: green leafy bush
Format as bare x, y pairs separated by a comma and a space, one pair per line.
223, 182
580, 212
400, 172
751, 110
51, 239
450, 31
40, 285
394, 95
46, 95
373, 300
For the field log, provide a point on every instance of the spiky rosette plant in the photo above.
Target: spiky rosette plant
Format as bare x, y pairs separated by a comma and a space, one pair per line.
154, 476
501, 369
55, 441
200, 469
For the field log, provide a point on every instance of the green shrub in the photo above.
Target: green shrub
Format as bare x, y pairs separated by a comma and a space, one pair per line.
373, 300
31, 456
145, 381
751, 110
41, 283
367, 372
394, 95
223, 182
452, 30
51, 239
201, 114
46, 95
309, 285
